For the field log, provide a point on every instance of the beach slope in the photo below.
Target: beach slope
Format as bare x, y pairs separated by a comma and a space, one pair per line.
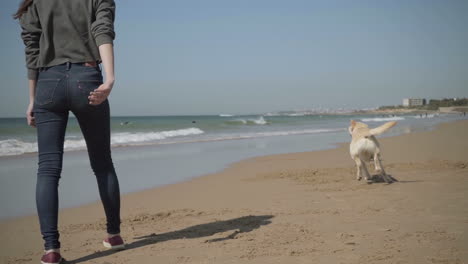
290, 208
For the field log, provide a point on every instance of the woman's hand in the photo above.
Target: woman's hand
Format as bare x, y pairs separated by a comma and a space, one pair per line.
30, 115
99, 95
29, 112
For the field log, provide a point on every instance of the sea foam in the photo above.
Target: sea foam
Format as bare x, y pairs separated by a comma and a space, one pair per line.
12, 147
258, 121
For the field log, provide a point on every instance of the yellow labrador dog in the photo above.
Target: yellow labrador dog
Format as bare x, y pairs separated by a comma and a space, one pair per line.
364, 147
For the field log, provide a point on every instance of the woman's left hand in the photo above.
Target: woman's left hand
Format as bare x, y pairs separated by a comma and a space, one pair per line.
99, 95
30, 115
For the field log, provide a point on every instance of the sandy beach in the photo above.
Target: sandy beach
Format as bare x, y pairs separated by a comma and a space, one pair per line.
289, 208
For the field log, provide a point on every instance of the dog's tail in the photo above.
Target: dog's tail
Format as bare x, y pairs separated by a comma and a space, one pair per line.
379, 130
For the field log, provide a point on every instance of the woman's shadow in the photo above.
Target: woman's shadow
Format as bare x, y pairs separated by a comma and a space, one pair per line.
237, 225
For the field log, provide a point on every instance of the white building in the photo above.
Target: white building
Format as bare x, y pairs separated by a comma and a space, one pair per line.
408, 102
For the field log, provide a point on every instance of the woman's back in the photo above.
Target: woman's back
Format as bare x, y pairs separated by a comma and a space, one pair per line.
66, 31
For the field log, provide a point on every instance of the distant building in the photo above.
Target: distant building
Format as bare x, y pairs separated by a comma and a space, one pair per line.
409, 102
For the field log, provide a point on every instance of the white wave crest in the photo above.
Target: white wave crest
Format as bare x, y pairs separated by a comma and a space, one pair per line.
383, 119
258, 121
226, 115
11, 147
128, 138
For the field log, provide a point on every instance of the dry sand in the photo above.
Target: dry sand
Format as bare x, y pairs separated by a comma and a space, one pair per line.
292, 208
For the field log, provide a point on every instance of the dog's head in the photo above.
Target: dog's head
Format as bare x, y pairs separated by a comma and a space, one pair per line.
353, 126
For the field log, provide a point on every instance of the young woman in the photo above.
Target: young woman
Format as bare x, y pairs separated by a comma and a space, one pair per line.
65, 43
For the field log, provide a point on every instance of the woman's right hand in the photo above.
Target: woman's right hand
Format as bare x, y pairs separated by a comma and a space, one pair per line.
99, 95
30, 115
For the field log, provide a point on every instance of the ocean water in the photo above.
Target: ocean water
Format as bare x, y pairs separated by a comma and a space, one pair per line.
17, 138
154, 151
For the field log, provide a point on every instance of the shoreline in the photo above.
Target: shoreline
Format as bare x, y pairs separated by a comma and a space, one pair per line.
332, 147
27, 150
285, 208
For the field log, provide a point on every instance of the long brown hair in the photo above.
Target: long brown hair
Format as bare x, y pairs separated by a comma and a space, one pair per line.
22, 8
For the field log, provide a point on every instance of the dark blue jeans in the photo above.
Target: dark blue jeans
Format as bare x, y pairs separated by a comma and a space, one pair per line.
61, 89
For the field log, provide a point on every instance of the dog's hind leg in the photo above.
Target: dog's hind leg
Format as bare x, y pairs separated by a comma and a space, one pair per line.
378, 164
367, 176
362, 168
358, 167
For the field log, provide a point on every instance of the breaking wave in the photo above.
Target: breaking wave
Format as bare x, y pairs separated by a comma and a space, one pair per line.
12, 147
259, 121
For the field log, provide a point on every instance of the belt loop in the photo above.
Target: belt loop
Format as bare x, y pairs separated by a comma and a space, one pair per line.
68, 65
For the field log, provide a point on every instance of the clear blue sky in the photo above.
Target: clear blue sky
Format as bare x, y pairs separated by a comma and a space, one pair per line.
253, 56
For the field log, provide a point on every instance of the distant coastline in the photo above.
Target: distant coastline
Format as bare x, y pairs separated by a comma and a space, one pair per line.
415, 106
376, 111
406, 110
396, 111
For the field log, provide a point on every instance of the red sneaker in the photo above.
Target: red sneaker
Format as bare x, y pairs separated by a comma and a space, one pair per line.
115, 242
51, 258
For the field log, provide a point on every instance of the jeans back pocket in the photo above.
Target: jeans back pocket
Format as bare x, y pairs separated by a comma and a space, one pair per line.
87, 86
45, 89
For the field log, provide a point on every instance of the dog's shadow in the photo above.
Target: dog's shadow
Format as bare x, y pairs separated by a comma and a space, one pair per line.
237, 225
387, 179
382, 178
